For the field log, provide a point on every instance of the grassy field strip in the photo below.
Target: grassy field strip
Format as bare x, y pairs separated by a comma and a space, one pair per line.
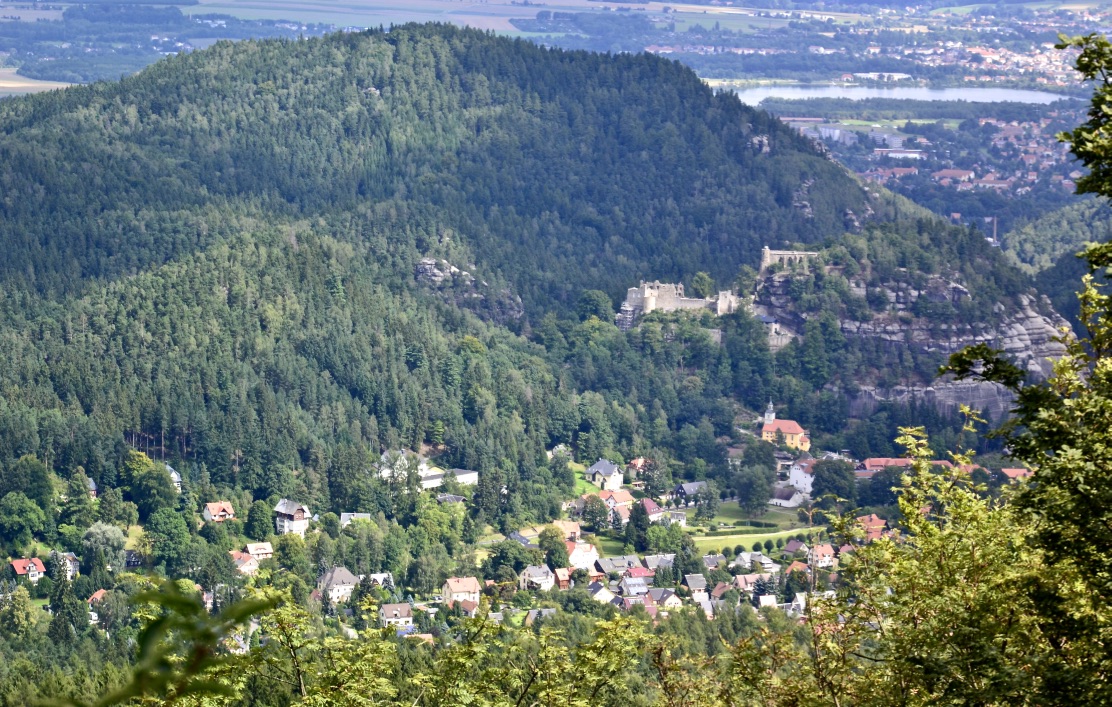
12, 84
716, 544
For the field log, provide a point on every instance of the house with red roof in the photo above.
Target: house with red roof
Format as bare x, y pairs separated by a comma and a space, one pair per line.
33, 569
1016, 474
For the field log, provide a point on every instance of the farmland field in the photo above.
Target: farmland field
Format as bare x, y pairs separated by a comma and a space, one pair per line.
12, 84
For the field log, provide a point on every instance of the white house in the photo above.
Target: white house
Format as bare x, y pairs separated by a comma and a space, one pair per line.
218, 512
33, 569
461, 589
786, 497
260, 551
745, 560
175, 478
338, 583
802, 475
291, 517
821, 555
605, 474
396, 615
581, 555
538, 577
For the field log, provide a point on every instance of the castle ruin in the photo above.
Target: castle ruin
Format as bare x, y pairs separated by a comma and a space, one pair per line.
669, 297
786, 258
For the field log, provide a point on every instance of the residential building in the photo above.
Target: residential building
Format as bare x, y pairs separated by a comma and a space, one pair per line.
655, 561
245, 563
291, 517
563, 578
794, 545
461, 589
600, 593
537, 577
260, 551
802, 474
688, 491
633, 586
449, 498
92, 486
582, 555
338, 583
218, 512
652, 509
617, 565
665, 598
1016, 474
71, 564
793, 435
175, 478
347, 518
570, 528
821, 556
400, 615
713, 562
695, 582
786, 497
873, 526
33, 569
746, 560
605, 474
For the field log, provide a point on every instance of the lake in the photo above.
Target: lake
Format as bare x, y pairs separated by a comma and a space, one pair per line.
753, 96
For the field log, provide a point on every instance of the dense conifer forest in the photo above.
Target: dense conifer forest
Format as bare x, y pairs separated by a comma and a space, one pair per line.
217, 263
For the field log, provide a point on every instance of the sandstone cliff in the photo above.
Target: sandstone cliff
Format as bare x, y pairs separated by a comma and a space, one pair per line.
1026, 329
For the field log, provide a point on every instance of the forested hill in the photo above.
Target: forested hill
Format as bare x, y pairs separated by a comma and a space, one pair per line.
557, 170
215, 261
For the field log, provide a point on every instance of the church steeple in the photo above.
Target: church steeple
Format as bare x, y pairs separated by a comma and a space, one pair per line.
770, 414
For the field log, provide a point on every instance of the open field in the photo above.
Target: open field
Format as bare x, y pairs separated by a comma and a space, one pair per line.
731, 513
12, 84
491, 14
715, 544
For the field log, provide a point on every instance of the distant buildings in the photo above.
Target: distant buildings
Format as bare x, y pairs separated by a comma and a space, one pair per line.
793, 435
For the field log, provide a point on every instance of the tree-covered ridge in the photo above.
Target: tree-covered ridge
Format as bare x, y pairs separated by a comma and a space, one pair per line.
1036, 246
539, 158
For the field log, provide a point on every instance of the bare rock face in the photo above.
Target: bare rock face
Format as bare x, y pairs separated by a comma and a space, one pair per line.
1028, 332
1026, 335
462, 289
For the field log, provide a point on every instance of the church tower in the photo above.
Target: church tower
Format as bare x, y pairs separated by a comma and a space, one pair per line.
770, 414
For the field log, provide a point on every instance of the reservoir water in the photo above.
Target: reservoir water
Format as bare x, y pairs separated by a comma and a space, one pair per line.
753, 96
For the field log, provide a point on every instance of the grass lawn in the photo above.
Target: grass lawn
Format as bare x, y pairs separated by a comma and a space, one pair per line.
607, 547
133, 535
582, 486
708, 544
731, 513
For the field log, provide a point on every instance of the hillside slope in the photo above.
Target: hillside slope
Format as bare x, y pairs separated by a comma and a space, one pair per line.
559, 170
224, 260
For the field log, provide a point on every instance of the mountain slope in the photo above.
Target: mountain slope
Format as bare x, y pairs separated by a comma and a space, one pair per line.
222, 260
625, 166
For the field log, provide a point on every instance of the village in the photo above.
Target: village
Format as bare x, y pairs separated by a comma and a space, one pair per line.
777, 564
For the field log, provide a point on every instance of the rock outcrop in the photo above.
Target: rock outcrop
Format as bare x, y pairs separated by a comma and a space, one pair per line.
463, 289
1027, 331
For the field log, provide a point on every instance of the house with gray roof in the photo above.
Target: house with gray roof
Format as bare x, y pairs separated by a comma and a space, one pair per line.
606, 475
291, 517
654, 562
338, 583
689, 490
633, 586
618, 564
538, 577
347, 518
